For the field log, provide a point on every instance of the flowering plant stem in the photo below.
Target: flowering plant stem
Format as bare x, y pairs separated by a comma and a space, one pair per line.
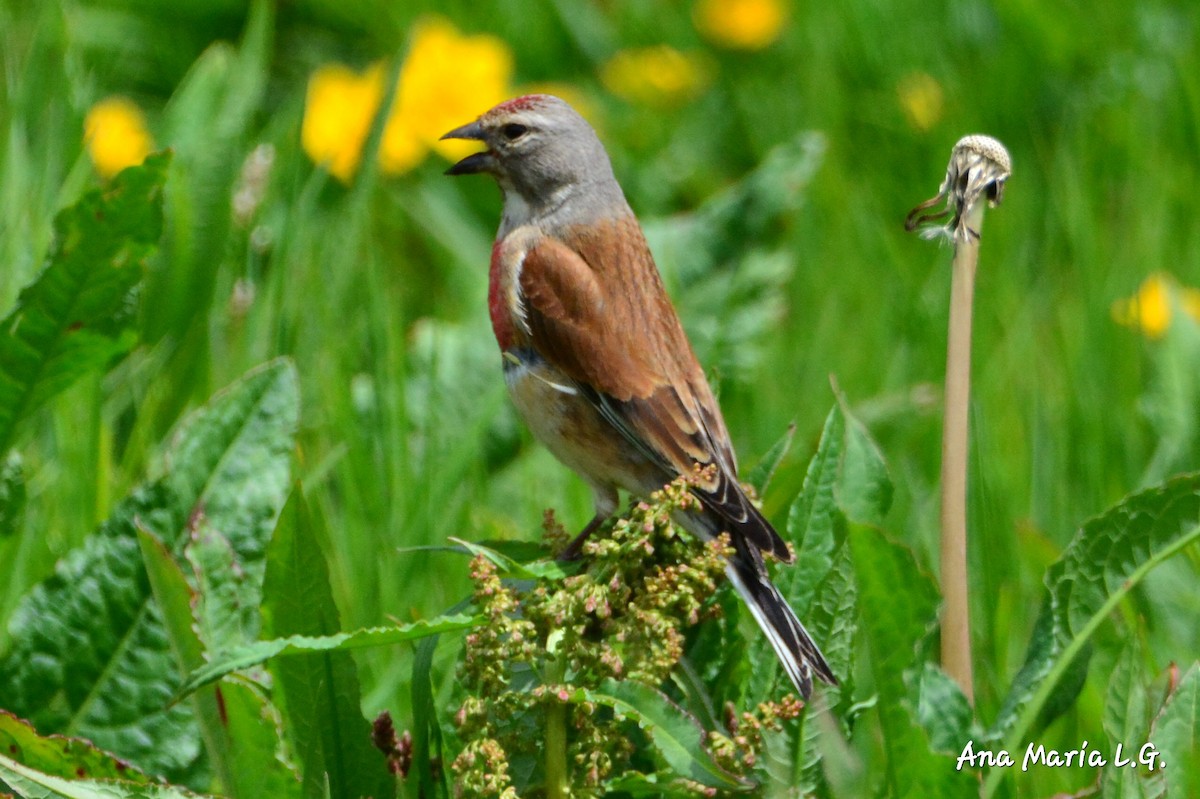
978, 169
956, 627
557, 785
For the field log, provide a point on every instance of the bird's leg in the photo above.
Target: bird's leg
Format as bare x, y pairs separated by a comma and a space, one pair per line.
575, 548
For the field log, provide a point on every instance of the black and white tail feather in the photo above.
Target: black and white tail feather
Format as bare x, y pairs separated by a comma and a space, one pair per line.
793, 645
795, 648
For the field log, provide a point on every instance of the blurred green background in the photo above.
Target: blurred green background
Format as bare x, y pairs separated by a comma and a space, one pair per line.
375, 280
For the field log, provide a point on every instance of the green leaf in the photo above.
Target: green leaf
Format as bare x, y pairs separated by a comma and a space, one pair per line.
59, 756
12, 493
427, 732
1176, 735
90, 653
320, 692
226, 603
76, 315
261, 651
943, 710
535, 570
864, 489
1109, 556
234, 720
35, 784
899, 603
760, 476
1125, 720
677, 737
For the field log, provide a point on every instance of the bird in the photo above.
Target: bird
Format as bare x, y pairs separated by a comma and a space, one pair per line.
595, 358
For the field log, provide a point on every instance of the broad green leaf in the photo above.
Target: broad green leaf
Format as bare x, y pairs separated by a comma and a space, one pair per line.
59, 756
90, 653
261, 651
1109, 556
760, 476
226, 604
677, 737
815, 524
235, 721
864, 489
320, 692
943, 710
846, 478
899, 603
1125, 720
77, 314
832, 620
1176, 735
34, 784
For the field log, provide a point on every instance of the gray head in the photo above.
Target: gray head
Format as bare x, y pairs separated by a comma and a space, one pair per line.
542, 151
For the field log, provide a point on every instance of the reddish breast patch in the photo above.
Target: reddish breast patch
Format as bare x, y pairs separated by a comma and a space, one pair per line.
497, 307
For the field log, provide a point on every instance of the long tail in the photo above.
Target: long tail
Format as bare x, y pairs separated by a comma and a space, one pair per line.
792, 644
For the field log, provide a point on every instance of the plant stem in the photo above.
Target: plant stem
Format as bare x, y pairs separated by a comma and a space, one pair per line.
978, 169
556, 740
956, 623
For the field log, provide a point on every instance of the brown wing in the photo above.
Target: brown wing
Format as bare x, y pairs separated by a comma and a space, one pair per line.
599, 312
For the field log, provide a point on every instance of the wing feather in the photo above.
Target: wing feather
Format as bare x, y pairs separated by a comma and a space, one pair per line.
596, 308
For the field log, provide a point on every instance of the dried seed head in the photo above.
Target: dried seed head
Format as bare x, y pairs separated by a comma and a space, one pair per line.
979, 166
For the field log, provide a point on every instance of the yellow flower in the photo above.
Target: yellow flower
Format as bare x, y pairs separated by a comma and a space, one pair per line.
657, 76
116, 136
921, 99
338, 110
446, 79
740, 24
1150, 309
449, 79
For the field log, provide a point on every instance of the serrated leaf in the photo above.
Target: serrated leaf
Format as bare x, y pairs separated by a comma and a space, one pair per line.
677, 737
261, 651
899, 603
90, 653
864, 489
1109, 556
59, 756
1176, 735
814, 522
320, 692
34, 784
760, 476
75, 316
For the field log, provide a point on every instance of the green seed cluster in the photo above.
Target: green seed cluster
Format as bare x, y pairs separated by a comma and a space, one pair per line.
623, 617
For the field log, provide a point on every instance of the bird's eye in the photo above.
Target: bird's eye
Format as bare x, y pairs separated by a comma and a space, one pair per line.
513, 131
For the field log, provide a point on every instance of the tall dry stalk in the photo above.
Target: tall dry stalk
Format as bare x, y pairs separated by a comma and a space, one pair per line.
978, 169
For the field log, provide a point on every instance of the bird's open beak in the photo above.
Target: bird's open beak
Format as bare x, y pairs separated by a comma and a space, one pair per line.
476, 162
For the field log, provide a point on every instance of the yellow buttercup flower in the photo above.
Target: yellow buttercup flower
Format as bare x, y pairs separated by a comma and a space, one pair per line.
446, 79
1150, 310
449, 79
740, 24
338, 110
115, 134
921, 99
657, 76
